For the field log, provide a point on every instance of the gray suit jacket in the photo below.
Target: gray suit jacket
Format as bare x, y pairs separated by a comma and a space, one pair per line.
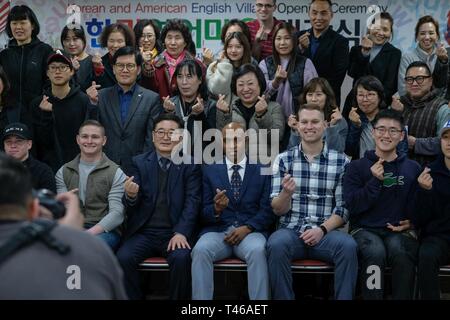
135, 135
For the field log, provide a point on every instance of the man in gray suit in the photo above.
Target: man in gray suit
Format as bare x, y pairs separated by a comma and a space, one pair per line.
126, 110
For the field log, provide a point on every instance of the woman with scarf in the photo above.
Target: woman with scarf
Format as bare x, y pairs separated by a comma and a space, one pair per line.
147, 36
177, 40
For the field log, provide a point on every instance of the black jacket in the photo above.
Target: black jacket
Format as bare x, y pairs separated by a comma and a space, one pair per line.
42, 176
26, 68
384, 67
56, 131
433, 206
331, 58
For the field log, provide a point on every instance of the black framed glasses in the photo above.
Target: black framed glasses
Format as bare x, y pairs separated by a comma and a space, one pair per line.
418, 79
161, 133
393, 132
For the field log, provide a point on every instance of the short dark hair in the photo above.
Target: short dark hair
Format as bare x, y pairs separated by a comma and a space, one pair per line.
16, 186
77, 31
168, 117
22, 12
386, 16
418, 64
117, 27
92, 122
390, 114
239, 36
329, 2
370, 83
139, 29
243, 70
427, 19
127, 51
241, 24
178, 25
194, 68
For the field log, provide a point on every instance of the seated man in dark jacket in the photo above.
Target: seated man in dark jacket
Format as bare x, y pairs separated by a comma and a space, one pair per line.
433, 219
163, 199
17, 143
379, 192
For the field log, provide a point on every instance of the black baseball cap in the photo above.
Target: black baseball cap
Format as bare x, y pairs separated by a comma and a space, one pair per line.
16, 129
58, 56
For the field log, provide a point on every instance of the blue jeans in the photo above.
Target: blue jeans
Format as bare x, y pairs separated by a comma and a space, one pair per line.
339, 248
111, 238
211, 247
382, 247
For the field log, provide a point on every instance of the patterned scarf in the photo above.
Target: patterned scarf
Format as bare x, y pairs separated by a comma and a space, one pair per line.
172, 62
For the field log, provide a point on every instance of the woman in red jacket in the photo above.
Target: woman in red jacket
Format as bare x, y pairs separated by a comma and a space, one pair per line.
177, 40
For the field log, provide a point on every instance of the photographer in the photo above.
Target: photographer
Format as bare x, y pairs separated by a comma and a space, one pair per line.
61, 263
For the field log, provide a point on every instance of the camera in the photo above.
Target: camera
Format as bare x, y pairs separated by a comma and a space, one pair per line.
47, 199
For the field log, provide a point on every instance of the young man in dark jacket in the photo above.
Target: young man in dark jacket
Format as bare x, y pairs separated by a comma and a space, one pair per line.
433, 219
379, 192
58, 114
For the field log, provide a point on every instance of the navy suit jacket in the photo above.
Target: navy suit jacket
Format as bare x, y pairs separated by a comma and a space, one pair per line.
252, 208
183, 194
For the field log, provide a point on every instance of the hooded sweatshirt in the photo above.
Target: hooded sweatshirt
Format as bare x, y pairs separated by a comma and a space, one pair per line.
56, 131
432, 215
373, 203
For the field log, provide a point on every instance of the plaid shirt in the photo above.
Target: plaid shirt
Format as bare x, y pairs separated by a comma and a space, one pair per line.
318, 191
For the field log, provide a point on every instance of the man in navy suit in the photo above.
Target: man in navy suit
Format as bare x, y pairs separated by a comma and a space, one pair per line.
236, 215
163, 199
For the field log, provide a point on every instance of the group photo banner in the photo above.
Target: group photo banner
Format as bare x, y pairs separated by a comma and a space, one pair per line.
206, 18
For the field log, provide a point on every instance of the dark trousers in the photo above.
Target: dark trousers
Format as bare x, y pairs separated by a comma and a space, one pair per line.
433, 253
381, 247
150, 243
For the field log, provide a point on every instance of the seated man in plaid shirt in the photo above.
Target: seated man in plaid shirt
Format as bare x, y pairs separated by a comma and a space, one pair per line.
307, 195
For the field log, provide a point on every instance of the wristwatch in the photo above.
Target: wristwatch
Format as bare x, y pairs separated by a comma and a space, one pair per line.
250, 227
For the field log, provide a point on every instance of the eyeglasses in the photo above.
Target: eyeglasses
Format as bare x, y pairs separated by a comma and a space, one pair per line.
129, 66
393, 132
418, 79
62, 68
162, 133
147, 36
266, 6
369, 96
